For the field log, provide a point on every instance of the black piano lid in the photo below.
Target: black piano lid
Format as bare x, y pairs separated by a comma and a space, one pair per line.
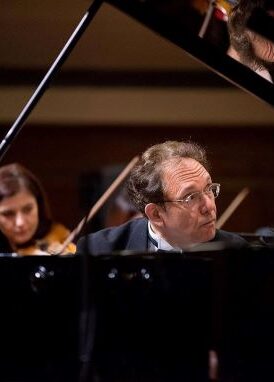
176, 20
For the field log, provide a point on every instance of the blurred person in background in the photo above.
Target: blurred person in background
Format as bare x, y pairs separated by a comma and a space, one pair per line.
26, 225
121, 209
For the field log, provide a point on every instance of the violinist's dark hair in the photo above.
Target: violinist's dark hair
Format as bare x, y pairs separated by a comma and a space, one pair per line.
145, 182
240, 39
15, 178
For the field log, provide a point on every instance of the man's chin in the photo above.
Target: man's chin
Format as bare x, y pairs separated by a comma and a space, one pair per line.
209, 234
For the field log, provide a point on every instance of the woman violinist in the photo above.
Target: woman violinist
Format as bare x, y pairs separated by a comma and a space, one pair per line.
26, 226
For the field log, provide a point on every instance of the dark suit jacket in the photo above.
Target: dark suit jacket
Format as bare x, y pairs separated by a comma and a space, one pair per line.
133, 236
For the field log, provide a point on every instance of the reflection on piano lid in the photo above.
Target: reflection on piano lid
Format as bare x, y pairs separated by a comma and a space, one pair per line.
262, 23
179, 22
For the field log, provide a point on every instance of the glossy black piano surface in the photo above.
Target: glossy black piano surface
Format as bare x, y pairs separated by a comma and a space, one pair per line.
137, 317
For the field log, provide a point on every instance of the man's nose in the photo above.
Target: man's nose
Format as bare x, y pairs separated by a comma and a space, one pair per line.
206, 203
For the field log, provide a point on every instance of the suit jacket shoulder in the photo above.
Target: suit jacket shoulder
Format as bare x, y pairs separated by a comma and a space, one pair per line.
230, 239
132, 235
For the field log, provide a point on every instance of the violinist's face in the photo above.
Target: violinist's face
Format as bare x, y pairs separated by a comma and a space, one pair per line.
19, 217
180, 225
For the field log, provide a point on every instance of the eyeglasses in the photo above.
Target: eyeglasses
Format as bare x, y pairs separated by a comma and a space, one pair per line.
212, 190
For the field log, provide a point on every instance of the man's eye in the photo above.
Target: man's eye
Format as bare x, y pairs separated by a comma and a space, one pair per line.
190, 198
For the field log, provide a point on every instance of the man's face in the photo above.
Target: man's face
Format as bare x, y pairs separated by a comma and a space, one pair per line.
182, 225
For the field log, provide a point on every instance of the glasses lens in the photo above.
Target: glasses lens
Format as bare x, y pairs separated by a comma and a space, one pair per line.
193, 198
215, 189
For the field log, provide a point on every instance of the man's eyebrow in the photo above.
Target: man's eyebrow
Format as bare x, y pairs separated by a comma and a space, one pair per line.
190, 188
187, 190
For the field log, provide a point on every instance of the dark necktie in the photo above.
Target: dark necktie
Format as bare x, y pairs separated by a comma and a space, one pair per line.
153, 241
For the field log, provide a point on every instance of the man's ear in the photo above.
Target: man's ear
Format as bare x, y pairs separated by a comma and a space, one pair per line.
153, 214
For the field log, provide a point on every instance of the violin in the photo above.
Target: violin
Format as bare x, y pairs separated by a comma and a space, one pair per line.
50, 243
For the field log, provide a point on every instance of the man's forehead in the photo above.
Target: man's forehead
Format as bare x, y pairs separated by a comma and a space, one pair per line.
184, 169
187, 164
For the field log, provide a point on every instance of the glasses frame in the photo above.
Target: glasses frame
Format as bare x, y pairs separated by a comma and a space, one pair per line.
187, 198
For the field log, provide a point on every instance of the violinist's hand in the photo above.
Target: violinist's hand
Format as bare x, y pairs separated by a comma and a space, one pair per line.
36, 252
55, 248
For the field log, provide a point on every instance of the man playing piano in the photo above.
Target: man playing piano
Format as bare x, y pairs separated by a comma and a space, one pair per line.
171, 186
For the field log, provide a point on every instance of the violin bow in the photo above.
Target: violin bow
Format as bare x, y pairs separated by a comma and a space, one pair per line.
100, 202
232, 207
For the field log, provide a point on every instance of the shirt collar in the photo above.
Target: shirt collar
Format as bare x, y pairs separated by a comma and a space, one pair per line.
158, 243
